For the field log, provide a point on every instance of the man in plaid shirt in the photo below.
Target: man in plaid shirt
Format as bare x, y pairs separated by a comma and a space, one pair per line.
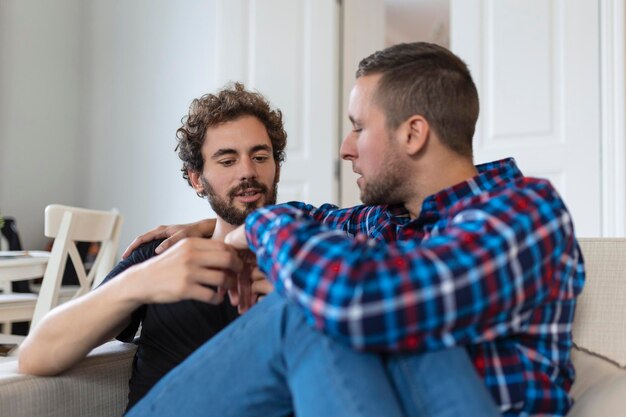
444, 258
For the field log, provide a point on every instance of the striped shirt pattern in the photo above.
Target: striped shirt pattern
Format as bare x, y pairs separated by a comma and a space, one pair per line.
491, 264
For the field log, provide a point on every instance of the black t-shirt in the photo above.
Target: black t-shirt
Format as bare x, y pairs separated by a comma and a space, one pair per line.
169, 333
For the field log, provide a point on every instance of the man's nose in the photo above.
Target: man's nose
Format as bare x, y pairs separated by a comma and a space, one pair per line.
247, 168
348, 148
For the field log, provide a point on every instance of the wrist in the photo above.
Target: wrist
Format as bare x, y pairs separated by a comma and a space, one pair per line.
130, 286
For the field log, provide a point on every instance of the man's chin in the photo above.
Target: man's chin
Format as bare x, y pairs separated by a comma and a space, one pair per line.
373, 198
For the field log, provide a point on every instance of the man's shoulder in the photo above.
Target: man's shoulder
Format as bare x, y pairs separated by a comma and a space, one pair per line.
538, 192
525, 202
139, 255
145, 251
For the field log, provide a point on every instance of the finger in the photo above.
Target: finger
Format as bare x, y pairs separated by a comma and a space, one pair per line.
233, 294
206, 253
171, 241
218, 298
245, 293
230, 281
247, 256
202, 228
257, 275
262, 287
205, 294
237, 238
205, 244
213, 277
224, 260
140, 240
244, 281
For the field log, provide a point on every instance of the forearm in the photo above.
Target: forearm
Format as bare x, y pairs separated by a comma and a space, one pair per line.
69, 332
188, 271
350, 220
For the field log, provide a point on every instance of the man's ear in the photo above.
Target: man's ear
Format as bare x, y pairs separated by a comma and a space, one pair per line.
414, 133
194, 178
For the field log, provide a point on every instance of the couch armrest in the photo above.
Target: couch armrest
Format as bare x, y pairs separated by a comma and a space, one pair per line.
97, 386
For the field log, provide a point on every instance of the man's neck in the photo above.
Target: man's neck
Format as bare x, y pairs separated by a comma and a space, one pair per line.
222, 228
437, 175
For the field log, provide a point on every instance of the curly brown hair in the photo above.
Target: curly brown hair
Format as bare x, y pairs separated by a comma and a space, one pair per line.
228, 104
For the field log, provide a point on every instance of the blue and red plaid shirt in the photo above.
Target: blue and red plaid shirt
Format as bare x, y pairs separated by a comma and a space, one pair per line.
491, 264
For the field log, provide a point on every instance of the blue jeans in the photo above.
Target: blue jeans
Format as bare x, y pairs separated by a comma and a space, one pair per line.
270, 362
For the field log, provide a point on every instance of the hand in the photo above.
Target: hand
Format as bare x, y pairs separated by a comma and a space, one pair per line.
261, 286
242, 296
173, 233
194, 268
252, 285
237, 238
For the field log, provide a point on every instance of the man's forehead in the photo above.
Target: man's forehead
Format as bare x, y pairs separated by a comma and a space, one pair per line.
362, 96
366, 84
244, 134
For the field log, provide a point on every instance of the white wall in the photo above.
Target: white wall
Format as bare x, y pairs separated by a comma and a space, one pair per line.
363, 34
118, 76
91, 94
417, 20
147, 60
40, 98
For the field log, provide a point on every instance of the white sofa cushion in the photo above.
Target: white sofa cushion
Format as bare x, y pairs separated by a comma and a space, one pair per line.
600, 320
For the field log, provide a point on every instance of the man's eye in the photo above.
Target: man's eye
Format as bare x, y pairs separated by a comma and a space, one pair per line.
260, 158
357, 129
227, 162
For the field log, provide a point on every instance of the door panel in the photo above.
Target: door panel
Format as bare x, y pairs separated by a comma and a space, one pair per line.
536, 66
288, 50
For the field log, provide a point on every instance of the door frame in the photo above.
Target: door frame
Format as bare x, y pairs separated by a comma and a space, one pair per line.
613, 110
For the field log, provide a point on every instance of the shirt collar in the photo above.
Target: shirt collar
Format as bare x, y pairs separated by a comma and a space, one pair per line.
490, 176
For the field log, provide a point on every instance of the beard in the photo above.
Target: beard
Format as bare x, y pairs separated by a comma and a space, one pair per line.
385, 187
225, 208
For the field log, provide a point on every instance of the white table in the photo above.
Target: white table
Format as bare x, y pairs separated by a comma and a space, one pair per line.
17, 266
20, 265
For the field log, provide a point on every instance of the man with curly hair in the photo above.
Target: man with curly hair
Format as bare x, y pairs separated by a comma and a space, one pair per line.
232, 145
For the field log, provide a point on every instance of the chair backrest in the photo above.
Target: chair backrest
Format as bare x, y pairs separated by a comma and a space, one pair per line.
69, 225
600, 320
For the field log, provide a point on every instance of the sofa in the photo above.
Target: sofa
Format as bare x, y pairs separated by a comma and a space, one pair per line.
98, 386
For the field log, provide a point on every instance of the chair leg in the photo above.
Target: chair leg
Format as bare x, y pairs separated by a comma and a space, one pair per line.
7, 327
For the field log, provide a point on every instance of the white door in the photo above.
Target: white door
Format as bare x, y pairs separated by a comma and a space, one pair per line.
288, 50
536, 64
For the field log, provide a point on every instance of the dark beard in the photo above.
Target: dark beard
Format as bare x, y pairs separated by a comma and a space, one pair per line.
227, 211
385, 189
379, 193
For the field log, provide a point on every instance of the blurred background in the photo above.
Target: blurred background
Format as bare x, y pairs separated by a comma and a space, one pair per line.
92, 92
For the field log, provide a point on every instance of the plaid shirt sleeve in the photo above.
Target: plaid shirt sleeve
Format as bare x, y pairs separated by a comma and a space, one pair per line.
352, 221
479, 274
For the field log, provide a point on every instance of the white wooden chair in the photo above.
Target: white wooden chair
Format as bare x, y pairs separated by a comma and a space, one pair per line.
68, 225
